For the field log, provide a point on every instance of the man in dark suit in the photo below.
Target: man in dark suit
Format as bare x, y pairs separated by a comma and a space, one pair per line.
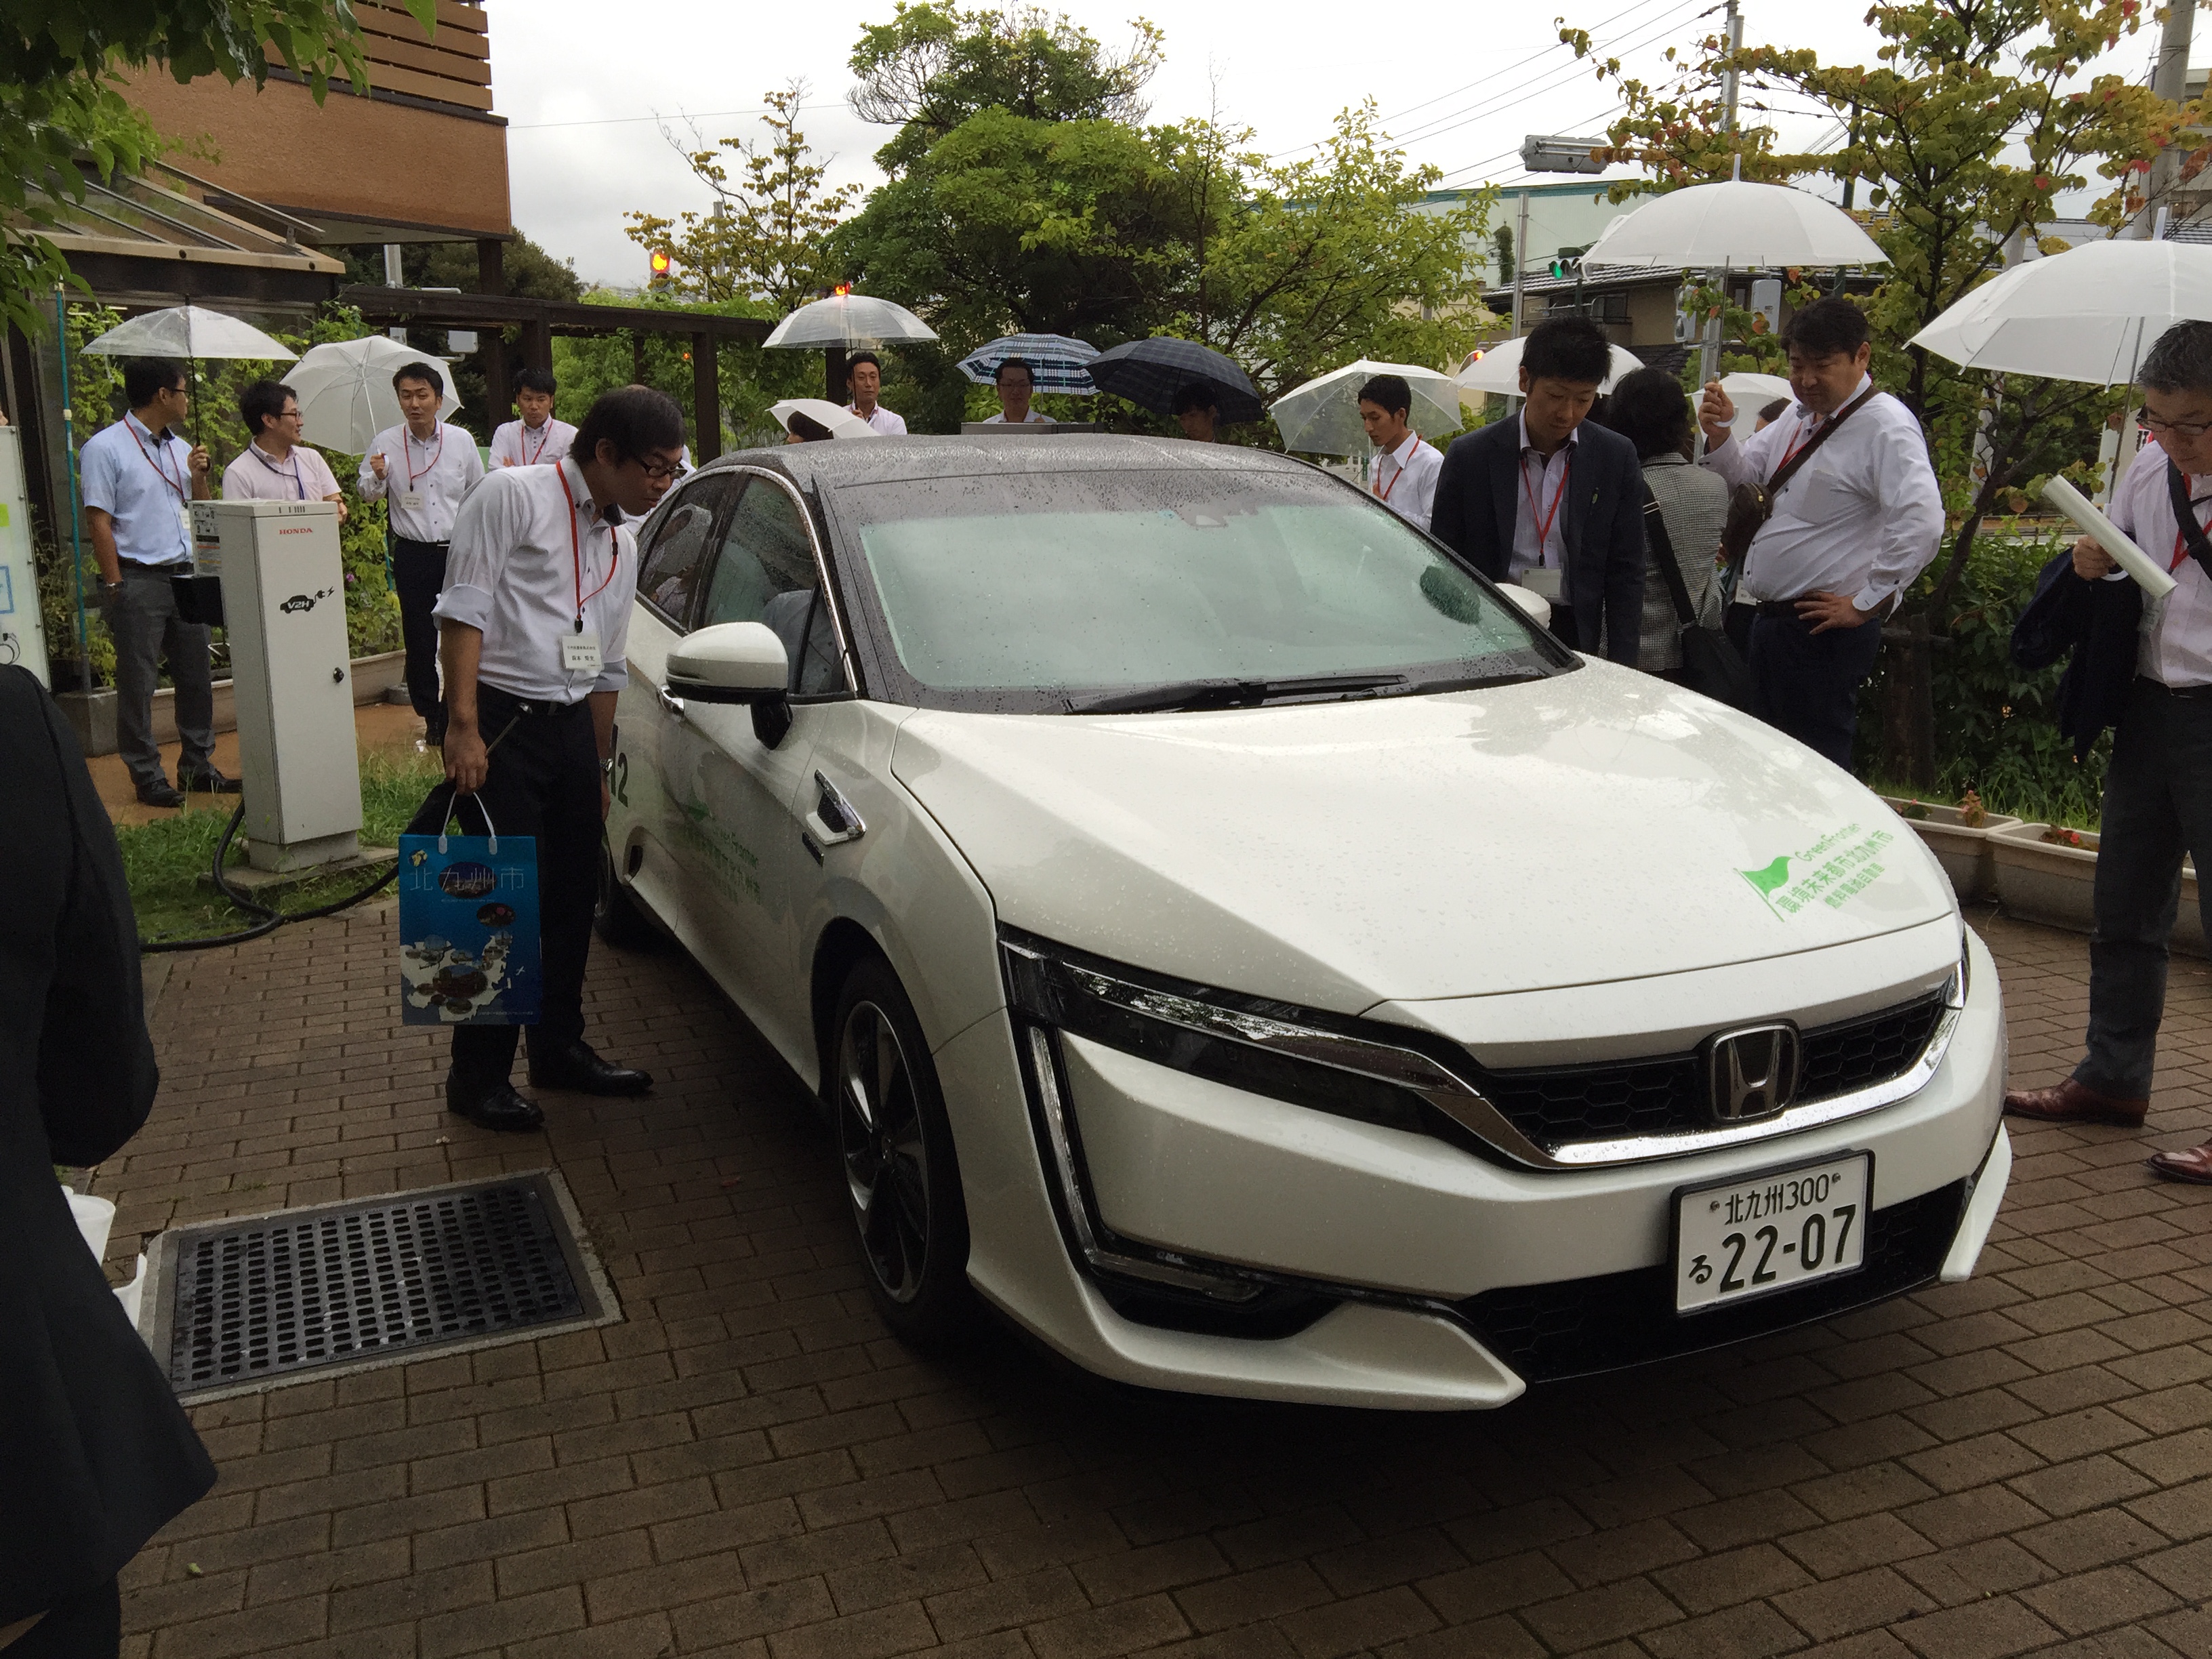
95, 1454
1543, 499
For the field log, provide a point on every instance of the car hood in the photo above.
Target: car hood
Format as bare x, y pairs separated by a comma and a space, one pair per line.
1599, 825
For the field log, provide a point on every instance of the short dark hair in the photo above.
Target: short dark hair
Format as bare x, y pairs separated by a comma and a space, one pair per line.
1827, 327
422, 372
264, 400
800, 424
859, 357
1567, 348
1390, 393
1650, 410
2180, 360
1195, 394
1775, 410
634, 419
999, 374
145, 378
537, 379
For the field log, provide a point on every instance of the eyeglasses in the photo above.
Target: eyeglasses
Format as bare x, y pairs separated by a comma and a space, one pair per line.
2188, 431
670, 470
289, 414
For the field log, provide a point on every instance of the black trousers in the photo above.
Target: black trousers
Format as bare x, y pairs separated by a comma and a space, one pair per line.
543, 782
1808, 684
86, 1626
418, 570
2158, 808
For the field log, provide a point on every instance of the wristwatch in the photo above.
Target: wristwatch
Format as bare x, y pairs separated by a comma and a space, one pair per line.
607, 768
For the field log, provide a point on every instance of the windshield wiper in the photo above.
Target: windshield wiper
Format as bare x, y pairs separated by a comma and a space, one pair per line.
1226, 694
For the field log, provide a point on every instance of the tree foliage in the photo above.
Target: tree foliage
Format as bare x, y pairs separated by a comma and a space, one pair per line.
764, 237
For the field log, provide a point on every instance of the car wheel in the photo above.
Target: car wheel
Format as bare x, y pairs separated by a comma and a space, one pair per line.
615, 913
896, 1146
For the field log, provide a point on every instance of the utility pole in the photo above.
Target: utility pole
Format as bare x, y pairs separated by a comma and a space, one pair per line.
1709, 353
2170, 80
1520, 258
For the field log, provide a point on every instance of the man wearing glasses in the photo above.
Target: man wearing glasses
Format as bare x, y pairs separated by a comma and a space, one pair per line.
534, 624
2158, 787
277, 466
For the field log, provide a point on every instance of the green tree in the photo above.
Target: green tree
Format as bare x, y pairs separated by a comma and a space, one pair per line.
765, 236
58, 102
932, 67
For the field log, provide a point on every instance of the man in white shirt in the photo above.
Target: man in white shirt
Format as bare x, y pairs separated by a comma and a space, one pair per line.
863, 374
1405, 464
534, 621
422, 468
538, 438
1851, 529
277, 466
2157, 787
1015, 383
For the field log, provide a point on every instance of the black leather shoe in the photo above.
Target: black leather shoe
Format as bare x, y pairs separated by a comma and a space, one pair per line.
501, 1107
574, 1065
209, 779
158, 793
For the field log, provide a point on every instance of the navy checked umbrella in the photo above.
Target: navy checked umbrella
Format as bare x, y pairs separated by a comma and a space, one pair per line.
1150, 372
1056, 363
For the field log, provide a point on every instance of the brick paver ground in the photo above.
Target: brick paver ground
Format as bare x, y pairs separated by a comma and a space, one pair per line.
749, 1465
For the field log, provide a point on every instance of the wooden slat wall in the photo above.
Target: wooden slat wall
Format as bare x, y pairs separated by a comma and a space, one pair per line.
454, 68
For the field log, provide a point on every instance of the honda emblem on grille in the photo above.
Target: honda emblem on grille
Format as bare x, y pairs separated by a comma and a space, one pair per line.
1754, 1072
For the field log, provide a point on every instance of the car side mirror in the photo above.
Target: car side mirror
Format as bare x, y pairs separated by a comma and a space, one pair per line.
1535, 605
741, 662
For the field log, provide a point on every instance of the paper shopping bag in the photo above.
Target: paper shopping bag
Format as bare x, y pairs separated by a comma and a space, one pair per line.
468, 923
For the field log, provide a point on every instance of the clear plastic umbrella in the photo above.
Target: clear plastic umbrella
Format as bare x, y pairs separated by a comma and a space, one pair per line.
345, 393
1737, 225
1499, 370
1751, 392
2087, 314
1057, 363
840, 422
849, 321
1322, 417
188, 331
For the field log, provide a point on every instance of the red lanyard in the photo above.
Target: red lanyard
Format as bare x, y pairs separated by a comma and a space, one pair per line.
407, 451
1384, 494
1798, 443
1544, 520
576, 552
162, 471
544, 438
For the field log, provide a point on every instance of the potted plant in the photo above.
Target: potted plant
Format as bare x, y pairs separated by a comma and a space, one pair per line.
2048, 873
1960, 838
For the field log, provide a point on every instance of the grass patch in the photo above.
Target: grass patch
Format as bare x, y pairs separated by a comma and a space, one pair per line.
165, 861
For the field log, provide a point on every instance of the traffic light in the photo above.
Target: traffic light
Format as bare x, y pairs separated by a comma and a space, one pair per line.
661, 264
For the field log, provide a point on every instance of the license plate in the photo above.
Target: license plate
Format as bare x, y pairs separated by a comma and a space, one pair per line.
1759, 1234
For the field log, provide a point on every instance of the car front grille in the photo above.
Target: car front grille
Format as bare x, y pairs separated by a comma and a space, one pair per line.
1577, 1326
1558, 1107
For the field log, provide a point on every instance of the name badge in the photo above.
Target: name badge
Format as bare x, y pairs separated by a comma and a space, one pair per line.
580, 653
412, 499
184, 519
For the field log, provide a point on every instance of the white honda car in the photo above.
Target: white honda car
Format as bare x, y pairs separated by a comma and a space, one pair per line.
1234, 940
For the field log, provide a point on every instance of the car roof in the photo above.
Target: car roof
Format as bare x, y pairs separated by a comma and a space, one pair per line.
878, 460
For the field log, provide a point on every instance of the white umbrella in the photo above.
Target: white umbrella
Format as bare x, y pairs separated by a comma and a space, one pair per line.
842, 423
1750, 393
1499, 370
1734, 224
848, 320
345, 393
1322, 417
188, 331
2087, 314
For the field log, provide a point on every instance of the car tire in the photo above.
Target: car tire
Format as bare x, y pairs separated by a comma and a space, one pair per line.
894, 1150
615, 913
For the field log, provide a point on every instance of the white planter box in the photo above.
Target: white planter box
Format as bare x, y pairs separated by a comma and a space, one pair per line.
2050, 882
1963, 851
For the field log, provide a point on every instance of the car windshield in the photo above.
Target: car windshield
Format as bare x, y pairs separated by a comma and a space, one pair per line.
1054, 591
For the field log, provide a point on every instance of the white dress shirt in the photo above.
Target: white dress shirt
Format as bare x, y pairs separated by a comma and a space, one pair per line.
301, 475
1032, 419
1406, 478
2177, 631
1539, 521
526, 545
144, 483
1861, 518
437, 474
889, 425
518, 444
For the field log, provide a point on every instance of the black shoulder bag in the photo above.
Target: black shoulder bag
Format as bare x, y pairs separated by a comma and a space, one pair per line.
1711, 665
2184, 514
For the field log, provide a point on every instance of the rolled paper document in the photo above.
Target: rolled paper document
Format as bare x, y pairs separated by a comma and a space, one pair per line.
2155, 583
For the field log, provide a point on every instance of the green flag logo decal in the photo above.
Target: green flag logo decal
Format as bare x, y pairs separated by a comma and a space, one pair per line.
1775, 875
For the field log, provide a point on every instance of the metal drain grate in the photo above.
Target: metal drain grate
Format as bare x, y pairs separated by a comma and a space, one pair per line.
339, 1284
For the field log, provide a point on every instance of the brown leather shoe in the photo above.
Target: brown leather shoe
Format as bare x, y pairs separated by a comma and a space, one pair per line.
2074, 1103
2193, 1164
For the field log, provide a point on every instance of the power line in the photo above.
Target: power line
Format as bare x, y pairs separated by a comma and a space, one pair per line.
627, 120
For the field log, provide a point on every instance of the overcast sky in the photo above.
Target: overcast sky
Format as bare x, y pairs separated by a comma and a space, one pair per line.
586, 94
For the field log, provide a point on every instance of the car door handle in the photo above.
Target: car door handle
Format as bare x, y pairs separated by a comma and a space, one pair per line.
671, 705
832, 819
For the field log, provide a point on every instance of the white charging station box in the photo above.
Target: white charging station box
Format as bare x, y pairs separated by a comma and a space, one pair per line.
22, 636
284, 604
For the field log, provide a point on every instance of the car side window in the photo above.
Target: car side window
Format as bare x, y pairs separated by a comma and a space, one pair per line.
765, 573
669, 577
